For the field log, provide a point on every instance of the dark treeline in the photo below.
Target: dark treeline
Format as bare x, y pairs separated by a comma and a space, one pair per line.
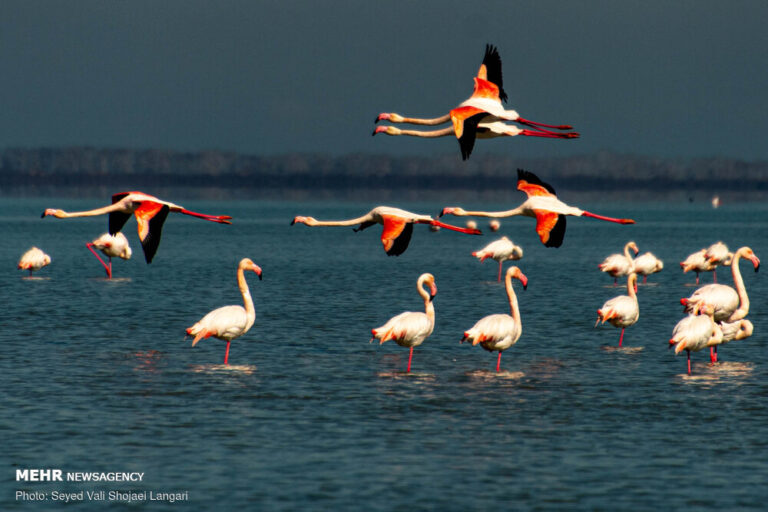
116, 169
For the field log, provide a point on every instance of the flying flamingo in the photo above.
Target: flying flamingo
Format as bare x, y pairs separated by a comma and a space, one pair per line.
617, 265
112, 246
411, 328
229, 322
499, 331
647, 264
718, 254
500, 250
728, 305
150, 215
481, 116
33, 259
543, 205
398, 226
696, 332
621, 311
698, 263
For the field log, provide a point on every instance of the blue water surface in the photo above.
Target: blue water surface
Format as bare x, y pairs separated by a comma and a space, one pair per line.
97, 375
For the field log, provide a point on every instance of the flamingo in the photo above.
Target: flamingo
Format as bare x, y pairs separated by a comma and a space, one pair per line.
398, 226
112, 246
33, 259
698, 263
229, 322
500, 250
499, 331
696, 332
621, 311
543, 205
729, 304
618, 265
718, 254
494, 225
150, 215
481, 116
411, 328
647, 264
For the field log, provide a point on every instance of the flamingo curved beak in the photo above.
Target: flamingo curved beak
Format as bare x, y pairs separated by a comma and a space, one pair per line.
432, 291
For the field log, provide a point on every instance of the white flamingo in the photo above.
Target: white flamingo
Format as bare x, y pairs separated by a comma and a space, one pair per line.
696, 332
411, 328
647, 264
718, 254
34, 259
618, 265
229, 322
499, 331
500, 250
698, 263
116, 246
623, 310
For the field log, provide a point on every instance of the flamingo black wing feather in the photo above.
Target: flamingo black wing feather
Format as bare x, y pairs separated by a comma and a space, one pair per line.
468, 136
492, 62
531, 178
400, 243
557, 234
152, 240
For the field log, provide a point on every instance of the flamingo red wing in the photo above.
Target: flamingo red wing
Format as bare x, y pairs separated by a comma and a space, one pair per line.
150, 217
532, 185
465, 121
396, 235
551, 227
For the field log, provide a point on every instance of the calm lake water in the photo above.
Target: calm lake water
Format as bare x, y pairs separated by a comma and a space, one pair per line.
97, 375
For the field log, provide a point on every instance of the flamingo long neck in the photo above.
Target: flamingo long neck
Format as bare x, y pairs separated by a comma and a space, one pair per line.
741, 290
429, 134
429, 307
61, 214
350, 222
626, 254
507, 213
631, 282
250, 310
428, 122
513, 306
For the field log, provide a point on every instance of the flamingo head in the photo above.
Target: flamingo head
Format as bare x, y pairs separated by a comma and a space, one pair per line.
299, 219
248, 264
751, 256
52, 211
429, 280
518, 274
633, 246
452, 210
745, 330
389, 130
392, 117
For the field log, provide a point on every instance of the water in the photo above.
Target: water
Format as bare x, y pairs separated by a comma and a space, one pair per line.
97, 376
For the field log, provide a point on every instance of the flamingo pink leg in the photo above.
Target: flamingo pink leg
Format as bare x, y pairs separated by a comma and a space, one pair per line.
621, 337
609, 219
467, 231
534, 123
498, 362
551, 135
499, 280
410, 356
226, 354
689, 361
714, 275
712, 354
221, 219
108, 268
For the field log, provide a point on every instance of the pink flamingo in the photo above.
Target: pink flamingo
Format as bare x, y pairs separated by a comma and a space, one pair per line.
32, 260
229, 322
718, 254
150, 215
621, 311
112, 246
696, 332
500, 250
697, 262
618, 265
481, 116
499, 331
647, 264
411, 328
543, 205
398, 226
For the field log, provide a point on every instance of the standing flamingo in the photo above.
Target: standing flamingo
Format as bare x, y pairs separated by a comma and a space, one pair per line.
500, 250
229, 322
398, 226
411, 328
729, 304
543, 205
112, 246
499, 332
718, 254
618, 265
150, 215
33, 259
621, 311
647, 264
697, 262
480, 116
696, 332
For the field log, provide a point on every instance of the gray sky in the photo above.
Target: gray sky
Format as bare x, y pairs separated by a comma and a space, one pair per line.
680, 78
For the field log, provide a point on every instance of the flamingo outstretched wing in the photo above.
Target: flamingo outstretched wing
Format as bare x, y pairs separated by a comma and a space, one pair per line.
150, 218
396, 235
550, 227
492, 72
532, 185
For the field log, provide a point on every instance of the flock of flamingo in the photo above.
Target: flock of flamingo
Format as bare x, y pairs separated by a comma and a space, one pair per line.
716, 312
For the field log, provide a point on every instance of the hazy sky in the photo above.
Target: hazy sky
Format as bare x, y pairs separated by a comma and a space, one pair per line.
666, 78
